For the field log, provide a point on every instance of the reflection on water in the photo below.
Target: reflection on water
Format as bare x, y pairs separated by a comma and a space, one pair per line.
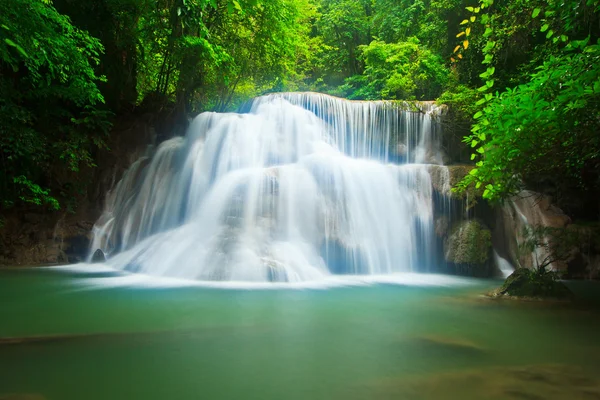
84, 336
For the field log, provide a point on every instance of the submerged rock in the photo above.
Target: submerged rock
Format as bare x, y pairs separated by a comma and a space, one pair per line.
533, 284
98, 256
522, 382
469, 248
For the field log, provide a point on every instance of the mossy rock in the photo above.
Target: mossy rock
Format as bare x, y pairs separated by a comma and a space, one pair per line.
445, 177
533, 284
469, 242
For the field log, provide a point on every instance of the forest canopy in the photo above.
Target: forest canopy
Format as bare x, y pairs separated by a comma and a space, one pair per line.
521, 77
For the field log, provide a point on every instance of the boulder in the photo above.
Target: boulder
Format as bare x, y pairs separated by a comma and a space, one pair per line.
98, 256
533, 284
468, 247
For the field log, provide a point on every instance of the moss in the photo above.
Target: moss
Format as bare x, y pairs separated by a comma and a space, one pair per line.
456, 174
470, 242
533, 284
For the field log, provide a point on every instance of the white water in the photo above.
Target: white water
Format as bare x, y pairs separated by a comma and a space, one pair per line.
295, 190
503, 265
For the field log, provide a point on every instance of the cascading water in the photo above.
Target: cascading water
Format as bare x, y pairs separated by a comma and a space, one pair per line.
301, 186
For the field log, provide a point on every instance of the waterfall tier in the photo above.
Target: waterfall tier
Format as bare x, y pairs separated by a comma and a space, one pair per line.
299, 187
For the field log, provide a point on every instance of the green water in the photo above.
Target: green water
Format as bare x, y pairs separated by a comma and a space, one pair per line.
104, 341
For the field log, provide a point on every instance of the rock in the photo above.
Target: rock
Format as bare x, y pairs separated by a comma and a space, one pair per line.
526, 208
469, 248
444, 178
98, 256
522, 382
533, 284
441, 226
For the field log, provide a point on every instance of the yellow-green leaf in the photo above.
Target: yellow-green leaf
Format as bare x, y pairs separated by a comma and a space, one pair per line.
460, 34
468, 31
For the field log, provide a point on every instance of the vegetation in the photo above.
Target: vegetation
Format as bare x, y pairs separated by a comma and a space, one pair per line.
522, 78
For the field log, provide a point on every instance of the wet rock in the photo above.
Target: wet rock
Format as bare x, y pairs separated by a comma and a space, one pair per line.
526, 208
469, 248
98, 256
442, 224
533, 284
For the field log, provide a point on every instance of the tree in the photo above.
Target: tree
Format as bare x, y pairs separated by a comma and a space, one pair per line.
404, 70
48, 108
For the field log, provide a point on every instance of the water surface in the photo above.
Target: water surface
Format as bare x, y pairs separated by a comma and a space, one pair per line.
99, 335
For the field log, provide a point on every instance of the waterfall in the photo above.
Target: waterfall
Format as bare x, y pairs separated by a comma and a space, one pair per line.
299, 187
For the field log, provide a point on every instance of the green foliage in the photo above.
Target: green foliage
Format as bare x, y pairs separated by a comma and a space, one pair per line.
546, 127
403, 71
48, 113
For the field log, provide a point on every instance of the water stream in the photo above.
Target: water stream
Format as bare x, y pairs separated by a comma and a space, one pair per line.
300, 187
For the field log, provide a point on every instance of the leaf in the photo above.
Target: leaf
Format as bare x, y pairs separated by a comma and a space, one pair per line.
468, 31
466, 44
549, 34
460, 56
456, 49
470, 9
544, 28
16, 46
464, 21
477, 115
488, 32
472, 18
460, 34
473, 156
535, 13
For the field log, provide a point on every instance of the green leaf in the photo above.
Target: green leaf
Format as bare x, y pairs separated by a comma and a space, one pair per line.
544, 28
477, 115
549, 34
535, 13
16, 46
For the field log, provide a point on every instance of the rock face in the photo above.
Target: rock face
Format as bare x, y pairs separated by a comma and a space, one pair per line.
35, 236
526, 208
469, 248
